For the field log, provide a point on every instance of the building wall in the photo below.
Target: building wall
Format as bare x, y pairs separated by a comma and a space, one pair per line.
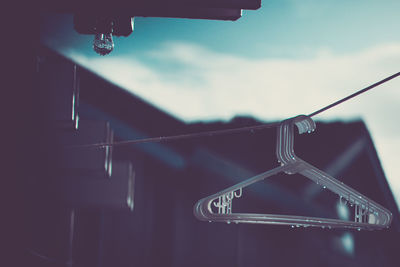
171, 177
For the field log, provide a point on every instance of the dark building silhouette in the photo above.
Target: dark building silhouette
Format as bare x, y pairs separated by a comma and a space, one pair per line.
73, 217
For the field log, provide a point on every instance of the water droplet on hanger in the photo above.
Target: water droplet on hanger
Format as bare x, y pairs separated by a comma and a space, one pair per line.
324, 187
292, 226
358, 229
209, 221
323, 227
298, 225
228, 222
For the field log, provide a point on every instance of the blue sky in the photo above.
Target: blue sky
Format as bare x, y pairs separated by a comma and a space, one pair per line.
281, 28
287, 58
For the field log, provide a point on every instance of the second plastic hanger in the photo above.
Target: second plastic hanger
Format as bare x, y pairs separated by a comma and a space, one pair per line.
368, 214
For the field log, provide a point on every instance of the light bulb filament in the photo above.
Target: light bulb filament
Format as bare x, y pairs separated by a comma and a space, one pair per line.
103, 43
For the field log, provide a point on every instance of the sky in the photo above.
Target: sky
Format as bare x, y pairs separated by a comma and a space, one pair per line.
287, 58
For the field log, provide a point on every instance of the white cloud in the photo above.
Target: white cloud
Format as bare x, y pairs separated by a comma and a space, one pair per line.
227, 85
212, 85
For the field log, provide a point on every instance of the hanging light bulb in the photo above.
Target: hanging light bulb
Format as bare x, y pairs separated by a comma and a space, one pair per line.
103, 43
103, 27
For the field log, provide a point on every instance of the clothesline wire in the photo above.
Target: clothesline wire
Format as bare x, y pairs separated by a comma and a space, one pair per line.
234, 130
355, 94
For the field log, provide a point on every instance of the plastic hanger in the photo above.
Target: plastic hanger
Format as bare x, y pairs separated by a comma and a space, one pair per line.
369, 215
